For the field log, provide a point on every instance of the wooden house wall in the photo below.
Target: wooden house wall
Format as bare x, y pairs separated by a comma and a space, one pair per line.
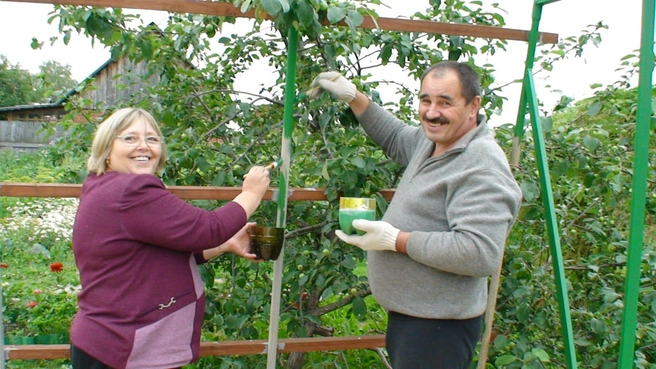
118, 82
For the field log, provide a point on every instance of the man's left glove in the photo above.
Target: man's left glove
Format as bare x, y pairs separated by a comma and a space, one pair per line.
335, 83
380, 235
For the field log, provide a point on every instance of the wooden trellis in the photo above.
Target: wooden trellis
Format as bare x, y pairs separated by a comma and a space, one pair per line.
528, 100
272, 347
528, 103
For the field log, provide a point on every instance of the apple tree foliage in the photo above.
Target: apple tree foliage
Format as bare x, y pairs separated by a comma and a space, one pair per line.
216, 130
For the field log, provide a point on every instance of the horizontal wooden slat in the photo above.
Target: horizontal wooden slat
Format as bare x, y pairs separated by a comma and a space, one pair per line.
227, 348
390, 24
16, 189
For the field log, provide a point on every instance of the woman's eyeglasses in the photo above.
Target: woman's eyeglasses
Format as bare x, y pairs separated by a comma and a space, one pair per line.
133, 140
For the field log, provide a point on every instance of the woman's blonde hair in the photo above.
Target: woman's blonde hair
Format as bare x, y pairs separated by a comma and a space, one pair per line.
110, 128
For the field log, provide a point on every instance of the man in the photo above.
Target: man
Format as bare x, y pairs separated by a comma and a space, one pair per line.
444, 231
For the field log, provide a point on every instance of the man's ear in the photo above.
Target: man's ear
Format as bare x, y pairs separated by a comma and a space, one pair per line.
475, 107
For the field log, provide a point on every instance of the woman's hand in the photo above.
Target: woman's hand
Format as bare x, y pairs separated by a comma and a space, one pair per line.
239, 244
255, 186
256, 181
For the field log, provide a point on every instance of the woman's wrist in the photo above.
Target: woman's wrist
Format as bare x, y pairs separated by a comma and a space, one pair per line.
214, 252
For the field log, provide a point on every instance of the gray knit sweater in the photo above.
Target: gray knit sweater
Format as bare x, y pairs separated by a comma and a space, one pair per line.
459, 208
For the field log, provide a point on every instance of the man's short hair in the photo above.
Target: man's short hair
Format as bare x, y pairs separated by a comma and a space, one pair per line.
470, 85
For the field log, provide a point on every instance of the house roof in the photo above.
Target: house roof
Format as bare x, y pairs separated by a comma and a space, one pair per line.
62, 99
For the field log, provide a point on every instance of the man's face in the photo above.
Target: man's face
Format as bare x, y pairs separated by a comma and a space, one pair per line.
445, 116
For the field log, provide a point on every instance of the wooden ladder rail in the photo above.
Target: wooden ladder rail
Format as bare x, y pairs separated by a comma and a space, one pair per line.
226, 348
19, 189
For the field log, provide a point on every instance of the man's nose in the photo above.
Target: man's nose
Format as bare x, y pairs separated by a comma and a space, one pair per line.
433, 112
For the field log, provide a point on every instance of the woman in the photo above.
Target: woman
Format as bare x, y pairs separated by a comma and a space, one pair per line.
136, 246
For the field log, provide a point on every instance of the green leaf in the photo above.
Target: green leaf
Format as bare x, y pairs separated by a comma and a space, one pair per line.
530, 190
547, 124
235, 322
541, 354
594, 108
324, 172
359, 308
385, 53
523, 313
354, 19
327, 293
505, 360
598, 326
303, 280
245, 108
219, 179
305, 14
203, 165
35, 43
245, 6
321, 281
590, 143
350, 263
336, 14
272, 7
358, 162
146, 49
285, 5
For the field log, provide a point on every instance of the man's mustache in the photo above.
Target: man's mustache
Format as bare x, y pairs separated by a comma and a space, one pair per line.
437, 120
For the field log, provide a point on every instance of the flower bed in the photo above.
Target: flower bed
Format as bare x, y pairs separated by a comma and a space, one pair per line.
39, 279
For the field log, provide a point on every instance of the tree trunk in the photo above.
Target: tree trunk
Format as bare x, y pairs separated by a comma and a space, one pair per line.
297, 359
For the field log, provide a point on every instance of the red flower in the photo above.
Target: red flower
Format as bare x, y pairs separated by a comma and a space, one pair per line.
32, 304
4, 266
57, 267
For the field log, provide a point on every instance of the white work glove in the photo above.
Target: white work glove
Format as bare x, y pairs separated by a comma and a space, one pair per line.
380, 235
335, 83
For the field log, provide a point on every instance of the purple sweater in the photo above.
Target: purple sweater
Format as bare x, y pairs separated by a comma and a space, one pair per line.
136, 247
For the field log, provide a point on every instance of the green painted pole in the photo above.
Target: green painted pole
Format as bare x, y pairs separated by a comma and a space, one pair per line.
281, 218
2, 331
552, 223
533, 38
640, 167
528, 100
545, 2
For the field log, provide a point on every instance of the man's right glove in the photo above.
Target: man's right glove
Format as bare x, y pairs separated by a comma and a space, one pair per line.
335, 83
379, 235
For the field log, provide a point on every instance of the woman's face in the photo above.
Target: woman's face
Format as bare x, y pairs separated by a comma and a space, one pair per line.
136, 150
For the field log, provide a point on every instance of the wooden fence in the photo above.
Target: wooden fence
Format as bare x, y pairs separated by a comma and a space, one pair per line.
25, 135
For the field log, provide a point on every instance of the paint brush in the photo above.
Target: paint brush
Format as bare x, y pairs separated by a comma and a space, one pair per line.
274, 164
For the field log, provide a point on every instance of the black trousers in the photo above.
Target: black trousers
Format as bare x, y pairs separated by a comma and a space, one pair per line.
81, 360
418, 343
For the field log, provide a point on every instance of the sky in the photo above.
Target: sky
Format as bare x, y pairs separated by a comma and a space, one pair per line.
20, 22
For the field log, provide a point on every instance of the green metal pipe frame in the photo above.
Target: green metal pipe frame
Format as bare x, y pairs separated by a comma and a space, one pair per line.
528, 99
281, 219
640, 167
552, 222
636, 233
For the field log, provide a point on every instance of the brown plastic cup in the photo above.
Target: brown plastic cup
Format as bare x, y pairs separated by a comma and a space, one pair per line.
266, 242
